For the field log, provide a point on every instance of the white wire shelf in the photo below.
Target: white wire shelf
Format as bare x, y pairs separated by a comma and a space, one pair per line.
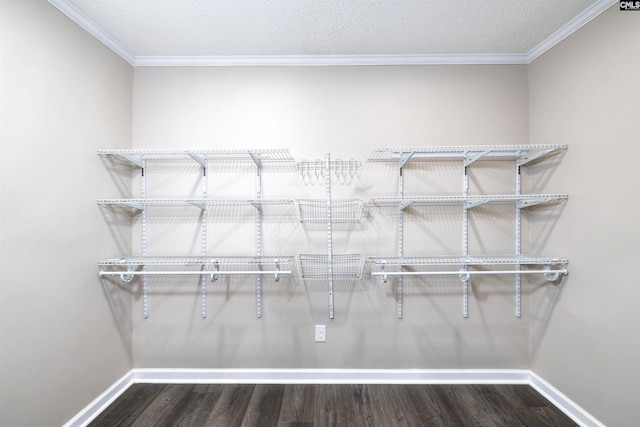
345, 211
135, 157
209, 266
140, 204
522, 201
473, 260
139, 261
342, 266
553, 268
522, 153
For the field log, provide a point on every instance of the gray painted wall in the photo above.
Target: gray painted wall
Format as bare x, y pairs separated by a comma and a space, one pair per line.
584, 335
64, 338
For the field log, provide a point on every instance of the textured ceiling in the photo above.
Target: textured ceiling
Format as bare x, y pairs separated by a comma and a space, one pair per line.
209, 28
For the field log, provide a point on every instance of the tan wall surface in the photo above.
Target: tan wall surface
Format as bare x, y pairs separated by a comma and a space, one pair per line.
346, 111
586, 92
64, 95
64, 338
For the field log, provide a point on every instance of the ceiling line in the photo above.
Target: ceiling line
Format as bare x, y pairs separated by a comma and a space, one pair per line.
331, 60
569, 28
327, 60
92, 28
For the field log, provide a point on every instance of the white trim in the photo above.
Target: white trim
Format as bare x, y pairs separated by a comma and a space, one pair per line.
92, 28
327, 60
562, 402
571, 27
331, 376
100, 403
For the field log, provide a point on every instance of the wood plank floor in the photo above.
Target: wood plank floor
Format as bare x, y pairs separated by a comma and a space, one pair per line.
294, 405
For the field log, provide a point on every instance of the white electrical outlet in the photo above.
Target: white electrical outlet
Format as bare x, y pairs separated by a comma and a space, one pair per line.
321, 333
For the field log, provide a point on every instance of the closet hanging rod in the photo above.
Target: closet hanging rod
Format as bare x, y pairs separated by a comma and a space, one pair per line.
549, 274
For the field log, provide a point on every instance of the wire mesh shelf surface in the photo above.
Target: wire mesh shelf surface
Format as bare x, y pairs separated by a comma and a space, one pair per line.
524, 152
142, 203
469, 201
135, 157
139, 261
343, 266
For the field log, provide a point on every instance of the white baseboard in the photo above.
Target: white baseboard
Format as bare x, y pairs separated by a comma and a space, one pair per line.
562, 402
100, 403
335, 376
332, 376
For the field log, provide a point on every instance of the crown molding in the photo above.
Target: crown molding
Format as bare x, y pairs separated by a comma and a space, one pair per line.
326, 60
330, 60
569, 28
92, 28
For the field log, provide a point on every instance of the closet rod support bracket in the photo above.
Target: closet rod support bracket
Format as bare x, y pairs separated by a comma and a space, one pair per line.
276, 275
384, 274
552, 275
126, 278
214, 277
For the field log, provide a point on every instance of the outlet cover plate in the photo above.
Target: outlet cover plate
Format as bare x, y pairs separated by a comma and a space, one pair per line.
321, 333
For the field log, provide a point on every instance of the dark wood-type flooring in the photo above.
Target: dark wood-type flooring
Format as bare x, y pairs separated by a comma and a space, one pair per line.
229, 405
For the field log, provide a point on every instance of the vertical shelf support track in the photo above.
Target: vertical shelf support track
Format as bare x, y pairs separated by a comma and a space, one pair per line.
205, 218
256, 160
202, 161
400, 250
327, 183
518, 230
145, 278
465, 233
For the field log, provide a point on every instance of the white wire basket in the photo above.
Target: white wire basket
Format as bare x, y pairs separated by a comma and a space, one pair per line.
345, 211
343, 266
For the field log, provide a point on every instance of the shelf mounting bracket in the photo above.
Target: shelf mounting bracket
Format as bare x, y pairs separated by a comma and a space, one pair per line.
523, 160
405, 204
200, 159
133, 159
469, 159
404, 158
256, 159
468, 204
